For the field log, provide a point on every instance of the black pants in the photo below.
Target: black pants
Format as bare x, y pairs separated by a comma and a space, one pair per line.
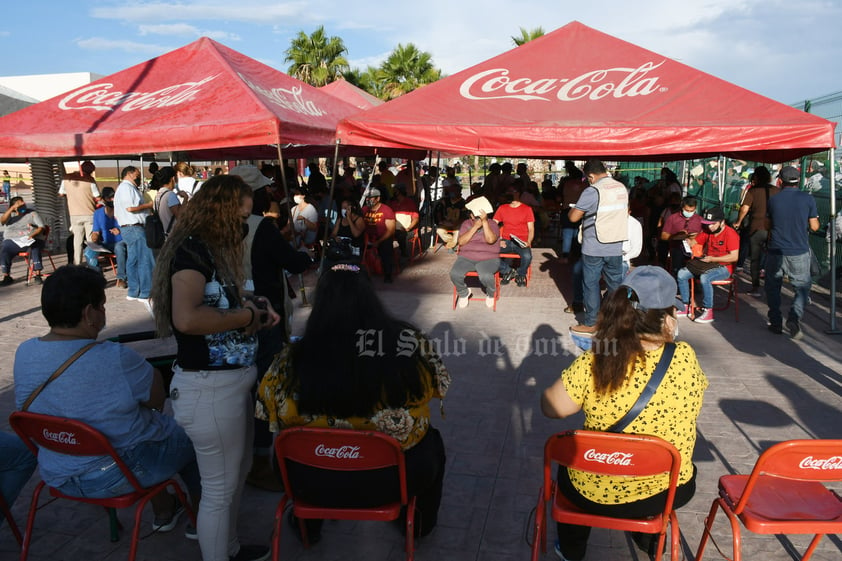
573, 539
386, 250
424, 479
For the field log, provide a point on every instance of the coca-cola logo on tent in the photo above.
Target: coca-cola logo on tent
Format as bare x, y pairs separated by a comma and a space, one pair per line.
609, 458
62, 437
292, 99
619, 82
102, 97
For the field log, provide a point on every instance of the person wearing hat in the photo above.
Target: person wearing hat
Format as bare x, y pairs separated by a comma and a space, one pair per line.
791, 213
639, 321
380, 230
82, 195
720, 249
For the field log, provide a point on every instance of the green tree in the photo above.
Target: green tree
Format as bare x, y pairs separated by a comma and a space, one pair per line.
527, 35
406, 69
316, 59
368, 79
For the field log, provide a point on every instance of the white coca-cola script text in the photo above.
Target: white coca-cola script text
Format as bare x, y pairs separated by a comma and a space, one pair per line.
834, 462
62, 437
101, 97
292, 99
340, 453
610, 458
498, 83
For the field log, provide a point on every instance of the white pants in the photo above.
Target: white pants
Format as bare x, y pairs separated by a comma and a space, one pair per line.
81, 227
216, 410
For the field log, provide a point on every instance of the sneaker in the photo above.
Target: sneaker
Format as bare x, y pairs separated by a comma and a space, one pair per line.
7, 280
147, 303
574, 308
506, 278
776, 329
683, 312
489, 301
462, 302
252, 553
38, 279
703, 315
190, 532
755, 292
165, 524
794, 329
584, 329
520, 280
132, 298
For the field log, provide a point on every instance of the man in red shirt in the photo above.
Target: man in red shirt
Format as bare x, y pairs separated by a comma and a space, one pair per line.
721, 245
380, 230
517, 228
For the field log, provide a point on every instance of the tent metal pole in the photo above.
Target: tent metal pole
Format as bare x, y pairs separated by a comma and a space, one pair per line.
289, 213
328, 230
832, 250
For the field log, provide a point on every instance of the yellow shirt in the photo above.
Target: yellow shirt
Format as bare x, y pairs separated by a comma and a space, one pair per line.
670, 414
277, 401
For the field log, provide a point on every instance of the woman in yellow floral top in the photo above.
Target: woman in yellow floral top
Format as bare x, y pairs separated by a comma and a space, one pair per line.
356, 367
638, 319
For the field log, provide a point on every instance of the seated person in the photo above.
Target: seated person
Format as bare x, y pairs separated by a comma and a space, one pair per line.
122, 401
324, 380
720, 248
406, 216
640, 318
449, 213
351, 226
678, 227
22, 229
478, 251
380, 230
516, 220
16, 466
106, 234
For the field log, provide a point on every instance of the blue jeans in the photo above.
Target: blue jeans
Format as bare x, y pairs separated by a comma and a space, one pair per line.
16, 465
139, 262
684, 275
525, 254
9, 250
797, 268
151, 462
593, 268
567, 237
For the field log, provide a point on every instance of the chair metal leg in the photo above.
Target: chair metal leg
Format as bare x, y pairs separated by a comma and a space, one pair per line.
706, 533
813, 544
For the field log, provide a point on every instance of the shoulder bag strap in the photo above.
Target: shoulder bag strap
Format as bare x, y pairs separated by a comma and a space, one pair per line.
56, 374
648, 391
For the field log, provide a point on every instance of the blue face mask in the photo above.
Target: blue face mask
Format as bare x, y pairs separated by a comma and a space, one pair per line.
687, 214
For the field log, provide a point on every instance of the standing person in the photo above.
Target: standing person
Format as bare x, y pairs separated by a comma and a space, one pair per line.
305, 220
316, 181
478, 251
131, 213
197, 298
755, 202
603, 210
167, 203
334, 377
640, 320
571, 189
380, 231
106, 233
22, 229
517, 224
82, 195
792, 213
7, 186
187, 185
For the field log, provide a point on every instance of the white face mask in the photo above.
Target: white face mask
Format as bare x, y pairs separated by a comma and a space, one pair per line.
344, 212
298, 199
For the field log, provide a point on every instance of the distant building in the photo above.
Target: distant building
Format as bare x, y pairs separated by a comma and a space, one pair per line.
45, 86
11, 101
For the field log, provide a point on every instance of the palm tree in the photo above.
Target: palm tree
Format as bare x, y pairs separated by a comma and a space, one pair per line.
406, 69
527, 35
317, 59
368, 79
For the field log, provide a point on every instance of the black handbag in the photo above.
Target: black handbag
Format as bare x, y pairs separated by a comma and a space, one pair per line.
699, 267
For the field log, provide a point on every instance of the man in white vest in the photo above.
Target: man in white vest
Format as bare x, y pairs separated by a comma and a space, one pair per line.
603, 209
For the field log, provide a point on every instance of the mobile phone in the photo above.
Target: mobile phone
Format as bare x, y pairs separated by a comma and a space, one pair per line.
262, 305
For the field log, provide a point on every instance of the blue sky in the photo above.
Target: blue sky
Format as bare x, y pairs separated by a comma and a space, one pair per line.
788, 50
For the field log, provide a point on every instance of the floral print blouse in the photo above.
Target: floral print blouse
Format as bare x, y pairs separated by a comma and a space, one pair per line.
277, 401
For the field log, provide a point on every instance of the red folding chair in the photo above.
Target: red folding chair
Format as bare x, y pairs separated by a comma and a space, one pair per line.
783, 495
341, 450
730, 285
75, 438
10, 520
475, 274
607, 453
45, 254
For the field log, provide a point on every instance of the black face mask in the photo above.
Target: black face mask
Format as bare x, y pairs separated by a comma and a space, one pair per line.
109, 204
245, 229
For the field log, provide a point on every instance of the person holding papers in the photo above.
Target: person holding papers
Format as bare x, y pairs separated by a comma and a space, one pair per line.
22, 228
517, 227
478, 252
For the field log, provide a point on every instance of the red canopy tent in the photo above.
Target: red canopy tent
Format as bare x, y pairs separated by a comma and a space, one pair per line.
200, 98
577, 92
350, 93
